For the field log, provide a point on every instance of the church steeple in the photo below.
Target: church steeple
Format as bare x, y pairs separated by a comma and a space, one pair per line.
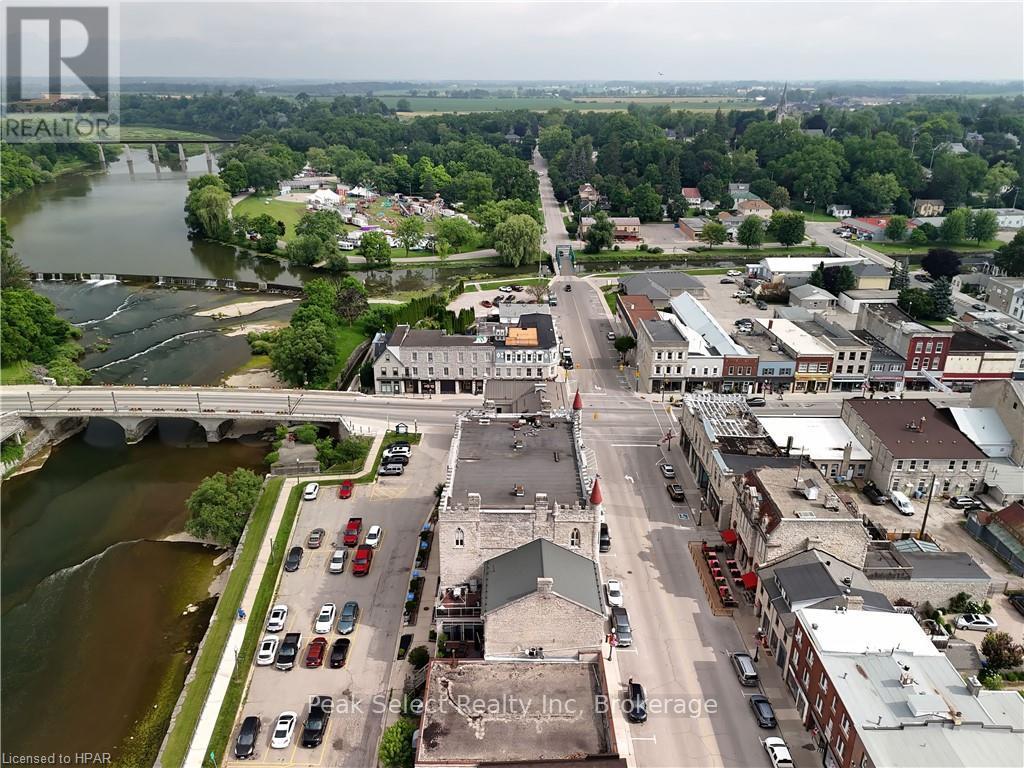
780, 111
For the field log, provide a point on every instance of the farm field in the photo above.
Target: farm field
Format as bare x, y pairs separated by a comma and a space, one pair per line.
425, 105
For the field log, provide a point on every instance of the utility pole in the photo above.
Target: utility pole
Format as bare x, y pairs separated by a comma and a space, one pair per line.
931, 490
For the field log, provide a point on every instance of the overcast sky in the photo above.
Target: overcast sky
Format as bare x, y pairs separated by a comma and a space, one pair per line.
576, 41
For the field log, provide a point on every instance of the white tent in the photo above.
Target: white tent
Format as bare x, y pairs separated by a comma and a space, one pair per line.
325, 198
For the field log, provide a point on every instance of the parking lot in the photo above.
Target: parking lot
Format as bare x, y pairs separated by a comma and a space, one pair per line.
400, 505
726, 308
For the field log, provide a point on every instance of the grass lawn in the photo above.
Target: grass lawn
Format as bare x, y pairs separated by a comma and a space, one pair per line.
908, 249
760, 253
356, 464
710, 271
220, 627
346, 339
289, 213
16, 373
813, 215
610, 292
492, 284
413, 438
253, 630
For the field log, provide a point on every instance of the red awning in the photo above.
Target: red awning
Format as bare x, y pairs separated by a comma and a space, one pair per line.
750, 580
729, 536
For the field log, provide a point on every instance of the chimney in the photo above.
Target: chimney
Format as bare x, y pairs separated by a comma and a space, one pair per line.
770, 321
545, 584
974, 686
920, 427
853, 602
789, 444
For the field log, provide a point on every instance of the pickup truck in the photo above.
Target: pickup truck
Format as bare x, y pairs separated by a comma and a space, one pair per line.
352, 531
288, 651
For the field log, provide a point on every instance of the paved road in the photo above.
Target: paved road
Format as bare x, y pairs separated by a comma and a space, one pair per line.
821, 233
425, 256
554, 227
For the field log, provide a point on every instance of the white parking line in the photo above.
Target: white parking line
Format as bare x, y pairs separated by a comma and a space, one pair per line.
643, 738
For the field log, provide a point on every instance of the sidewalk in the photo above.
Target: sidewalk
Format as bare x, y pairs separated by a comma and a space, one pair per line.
211, 708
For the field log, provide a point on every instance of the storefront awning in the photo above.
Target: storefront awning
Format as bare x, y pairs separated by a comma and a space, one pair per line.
729, 536
749, 580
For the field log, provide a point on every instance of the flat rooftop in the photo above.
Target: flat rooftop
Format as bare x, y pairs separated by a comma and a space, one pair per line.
485, 711
793, 336
494, 457
782, 485
822, 438
761, 344
880, 353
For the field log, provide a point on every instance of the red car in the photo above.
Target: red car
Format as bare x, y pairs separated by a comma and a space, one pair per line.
352, 530
316, 651
361, 562
345, 489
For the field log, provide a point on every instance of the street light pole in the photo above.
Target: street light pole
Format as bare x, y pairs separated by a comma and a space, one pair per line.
924, 522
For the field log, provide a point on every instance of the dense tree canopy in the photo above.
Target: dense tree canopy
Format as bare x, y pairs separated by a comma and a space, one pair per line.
219, 508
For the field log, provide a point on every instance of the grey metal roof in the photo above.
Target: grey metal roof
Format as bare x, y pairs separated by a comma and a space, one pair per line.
945, 566
662, 330
811, 291
514, 574
869, 269
661, 285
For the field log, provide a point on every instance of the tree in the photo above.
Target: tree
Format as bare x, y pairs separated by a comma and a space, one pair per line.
264, 227
419, 656
941, 262
714, 233
219, 508
396, 745
29, 327
788, 227
13, 274
983, 226
537, 290
326, 225
349, 299
307, 250
208, 209
954, 227
874, 192
623, 345
1010, 256
778, 198
303, 355
645, 203
941, 294
751, 232
817, 278
896, 228
517, 239
839, 279
900, 276
410, 231
234, 176
375, 249
457, 231
918, 237
916, 303
1001, 652
601, 234
402, 105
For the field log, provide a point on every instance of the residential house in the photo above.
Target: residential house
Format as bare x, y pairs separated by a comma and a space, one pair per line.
587, 193
738, 188
955, 148
691, 228
586, 222
626, 228
928, 208
913, 440
840, 210
780, 511
661, 356
731, 222
754, 207
924, 348
661, 286
871, 276
886, 371
811, 297
814, 360
692, 195
877, 692
973, 137
632, 310
722, 440
809, 579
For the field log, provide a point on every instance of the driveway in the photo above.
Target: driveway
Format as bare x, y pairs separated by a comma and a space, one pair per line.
401, 505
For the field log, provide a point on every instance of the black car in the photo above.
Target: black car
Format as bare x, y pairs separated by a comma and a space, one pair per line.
979, 307
568, 364
675, 491
245, 744
605, 540
761, 304
763, 711
288, 651
395, 458
568, 287
756, 402
726, 281
319, 716
1017, 601
339, 652
874, 494
636, 702
294, 559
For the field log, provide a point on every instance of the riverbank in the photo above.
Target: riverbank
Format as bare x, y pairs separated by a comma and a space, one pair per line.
242, 308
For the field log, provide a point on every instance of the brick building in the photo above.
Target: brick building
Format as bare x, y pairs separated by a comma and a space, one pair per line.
924, 348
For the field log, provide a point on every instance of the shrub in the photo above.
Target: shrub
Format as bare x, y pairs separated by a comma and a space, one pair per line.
419, 656
959, 603
306, 433
643, 246
396, 745
615, 247
271, 458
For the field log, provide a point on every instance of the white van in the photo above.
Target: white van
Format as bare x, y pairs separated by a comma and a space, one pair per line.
902, 503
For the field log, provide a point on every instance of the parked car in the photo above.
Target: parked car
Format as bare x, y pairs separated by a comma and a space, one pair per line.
278, 616
288, 651
345, 489
613, 592
761, 304
324, 619
319, 716
399, 459
245, 742
399, 449
924, 277
746, 670
667, 470
621, 628
294, 559
965, 502
518, 288
763, 711
610, 336
727, 281
349, 618
506, 289
979, 307
756, 402
373, 536
266, 654
977, 621
352, 530
284, 729
486, 304
778, 752
337, 564
605, 539
636, 702
874, 494
311, 491
315, 652
362, 560
734, 273
675, 492
391, 469
315, 538
902, 503
1017, 601
743, 321
339, 652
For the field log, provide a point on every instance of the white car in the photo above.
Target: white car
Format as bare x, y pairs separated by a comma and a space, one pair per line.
613, 592
733, 273
610, 336
311, 491
278, 617
977, 621
398, 450
337, 564
325, 619
284, 729
267, 652
505, 289
667, 470
373, 536
778, 752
